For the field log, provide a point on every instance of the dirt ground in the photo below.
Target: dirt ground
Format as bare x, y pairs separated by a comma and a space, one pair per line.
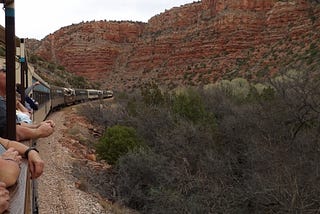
58, 190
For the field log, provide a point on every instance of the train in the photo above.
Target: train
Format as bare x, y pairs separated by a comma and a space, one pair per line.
51, 97
61, 96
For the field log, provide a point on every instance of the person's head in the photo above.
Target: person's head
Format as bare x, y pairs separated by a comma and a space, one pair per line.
18, 87
2, 81
18, 97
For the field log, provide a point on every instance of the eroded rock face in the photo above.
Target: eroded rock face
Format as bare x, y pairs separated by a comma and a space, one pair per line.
89, 49
193, 44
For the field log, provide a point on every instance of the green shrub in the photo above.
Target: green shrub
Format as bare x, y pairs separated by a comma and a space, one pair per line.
77, 81
164, 179
133, 106
189, 105
117, 141
122, 95
139, 173
268, 93
60, 67
35, 59
152, 94
260, 93
240, 88
51, 67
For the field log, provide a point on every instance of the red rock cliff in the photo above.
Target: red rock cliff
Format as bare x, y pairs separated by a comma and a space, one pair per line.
193, 44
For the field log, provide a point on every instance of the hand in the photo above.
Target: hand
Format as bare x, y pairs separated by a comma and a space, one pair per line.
12, 154
36, 164
36, 83
50, 122
45, 129
4, 197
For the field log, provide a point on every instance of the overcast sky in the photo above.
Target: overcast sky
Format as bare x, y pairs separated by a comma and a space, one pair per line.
39, 18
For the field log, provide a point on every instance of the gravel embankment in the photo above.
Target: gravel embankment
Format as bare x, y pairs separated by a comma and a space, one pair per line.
56, 187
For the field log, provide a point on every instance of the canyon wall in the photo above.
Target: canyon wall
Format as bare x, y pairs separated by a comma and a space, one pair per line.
193, 44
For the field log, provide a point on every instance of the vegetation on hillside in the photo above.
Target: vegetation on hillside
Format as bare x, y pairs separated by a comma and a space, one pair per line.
230, 147
57, 75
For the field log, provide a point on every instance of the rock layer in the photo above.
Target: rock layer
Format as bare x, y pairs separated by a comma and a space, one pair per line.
192, 44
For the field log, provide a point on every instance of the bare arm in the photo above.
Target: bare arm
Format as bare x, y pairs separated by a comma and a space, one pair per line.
27, 90
25, 132
36, 164
4, 197
21, 108
10, 166
36, 125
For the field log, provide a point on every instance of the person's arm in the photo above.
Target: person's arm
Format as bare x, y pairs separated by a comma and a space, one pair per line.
21, 108
37, 125
36, 164
30, 125
10, 162
25, 132
27, 90
4, 197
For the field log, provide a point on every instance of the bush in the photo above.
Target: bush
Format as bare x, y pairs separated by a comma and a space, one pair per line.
262, 156
172, 177
189, 106
77, 81
151, 94
51, 67
34, 59
139, 173
117, 141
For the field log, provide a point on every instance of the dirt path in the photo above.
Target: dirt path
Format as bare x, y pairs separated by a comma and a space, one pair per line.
56, 187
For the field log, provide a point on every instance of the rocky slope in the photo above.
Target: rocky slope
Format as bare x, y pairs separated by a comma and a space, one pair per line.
193, 44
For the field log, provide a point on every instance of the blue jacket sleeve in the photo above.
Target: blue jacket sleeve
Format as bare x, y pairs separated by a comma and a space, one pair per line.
31, 103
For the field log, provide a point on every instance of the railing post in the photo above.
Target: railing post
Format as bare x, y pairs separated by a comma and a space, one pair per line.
23, 64
10, 68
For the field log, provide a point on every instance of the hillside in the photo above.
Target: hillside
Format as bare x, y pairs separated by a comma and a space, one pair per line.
193, 44
50, 71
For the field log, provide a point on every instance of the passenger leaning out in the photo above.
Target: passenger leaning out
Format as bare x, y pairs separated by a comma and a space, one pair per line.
24, 131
